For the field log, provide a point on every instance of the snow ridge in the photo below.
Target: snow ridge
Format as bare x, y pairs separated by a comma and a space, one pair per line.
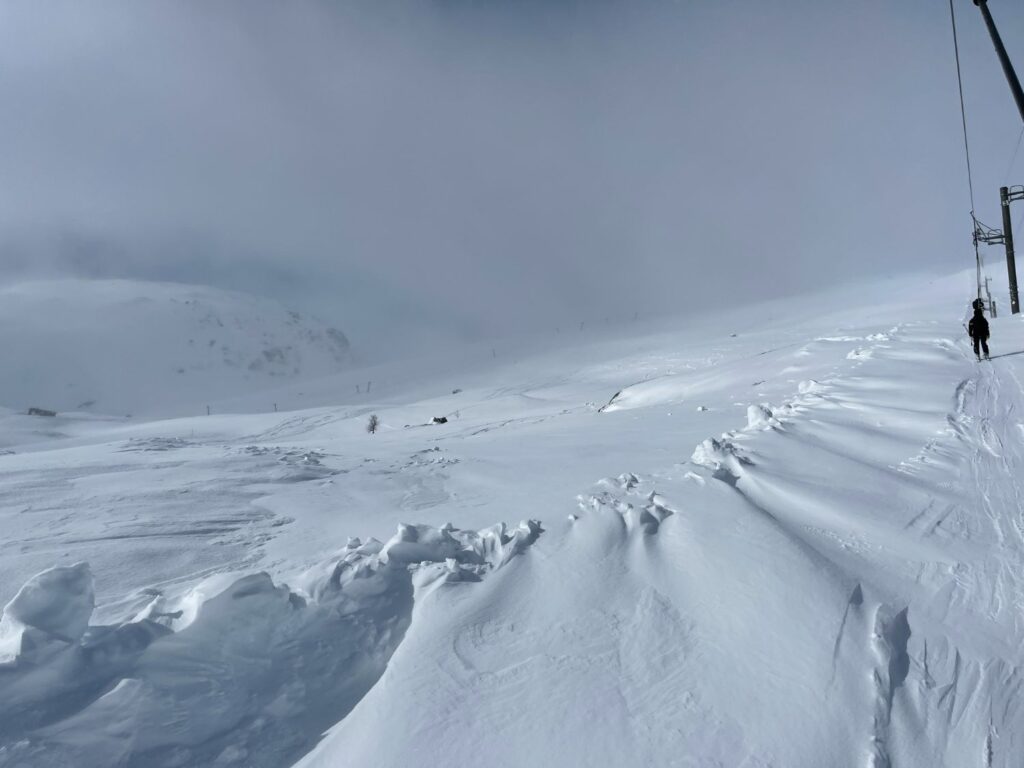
250, 676
930, 681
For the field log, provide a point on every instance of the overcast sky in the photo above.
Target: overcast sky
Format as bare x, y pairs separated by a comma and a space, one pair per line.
411, 168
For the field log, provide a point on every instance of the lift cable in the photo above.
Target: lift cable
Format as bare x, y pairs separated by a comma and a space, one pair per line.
967, 149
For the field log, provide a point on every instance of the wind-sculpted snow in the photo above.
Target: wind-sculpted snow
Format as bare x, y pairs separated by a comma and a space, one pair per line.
57, 603
800, 545
857, 472
249, 676
644, 511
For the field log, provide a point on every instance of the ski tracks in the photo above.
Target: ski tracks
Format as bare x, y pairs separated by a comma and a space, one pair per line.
948, 678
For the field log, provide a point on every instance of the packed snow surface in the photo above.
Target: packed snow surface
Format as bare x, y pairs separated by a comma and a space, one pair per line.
788, 536
128, 346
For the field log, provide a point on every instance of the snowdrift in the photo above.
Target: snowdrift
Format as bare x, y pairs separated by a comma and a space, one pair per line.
798, 546
250, 676
834, 582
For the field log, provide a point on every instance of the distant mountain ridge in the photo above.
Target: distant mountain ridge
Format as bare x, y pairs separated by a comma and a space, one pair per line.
123, 346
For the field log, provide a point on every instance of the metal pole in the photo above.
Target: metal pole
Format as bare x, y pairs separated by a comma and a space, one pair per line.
977, 265
1011, 265
1004, 59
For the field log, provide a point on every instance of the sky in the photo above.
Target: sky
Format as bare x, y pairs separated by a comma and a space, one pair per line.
416, 171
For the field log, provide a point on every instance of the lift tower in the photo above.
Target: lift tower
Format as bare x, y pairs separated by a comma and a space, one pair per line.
1005, 195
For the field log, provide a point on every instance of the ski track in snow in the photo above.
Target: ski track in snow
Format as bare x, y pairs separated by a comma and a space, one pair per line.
983, 429
955, 686
838, 581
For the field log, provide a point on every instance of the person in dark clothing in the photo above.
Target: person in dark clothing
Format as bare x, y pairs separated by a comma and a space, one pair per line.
978, 330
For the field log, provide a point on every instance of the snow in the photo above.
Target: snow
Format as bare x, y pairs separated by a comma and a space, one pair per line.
133, 347
57, 603
790, 536
255, 674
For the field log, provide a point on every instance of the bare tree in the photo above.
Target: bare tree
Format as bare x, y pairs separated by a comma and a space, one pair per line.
373, 424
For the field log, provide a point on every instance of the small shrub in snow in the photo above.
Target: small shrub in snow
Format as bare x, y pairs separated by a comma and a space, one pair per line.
373, 424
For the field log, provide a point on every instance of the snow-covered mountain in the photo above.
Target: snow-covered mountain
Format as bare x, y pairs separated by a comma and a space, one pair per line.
126, 346
784, 536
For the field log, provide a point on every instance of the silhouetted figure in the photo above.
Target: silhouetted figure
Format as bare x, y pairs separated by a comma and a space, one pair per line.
978, 329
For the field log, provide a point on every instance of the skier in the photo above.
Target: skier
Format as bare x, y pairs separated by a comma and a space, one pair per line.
978, 330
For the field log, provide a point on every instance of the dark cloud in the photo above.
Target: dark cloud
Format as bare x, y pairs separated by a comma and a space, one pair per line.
477, 168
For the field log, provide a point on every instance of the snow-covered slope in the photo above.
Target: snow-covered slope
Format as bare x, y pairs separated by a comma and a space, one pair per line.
123, 346
794, 541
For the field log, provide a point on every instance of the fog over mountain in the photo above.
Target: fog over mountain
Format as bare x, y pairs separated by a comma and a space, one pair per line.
127, 346
414, 170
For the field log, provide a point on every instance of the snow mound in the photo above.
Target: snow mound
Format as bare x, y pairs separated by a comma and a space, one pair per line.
52, 607
250, 676
645, 516
810, 387
58, 602
761, 417
719, 455
125, 346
